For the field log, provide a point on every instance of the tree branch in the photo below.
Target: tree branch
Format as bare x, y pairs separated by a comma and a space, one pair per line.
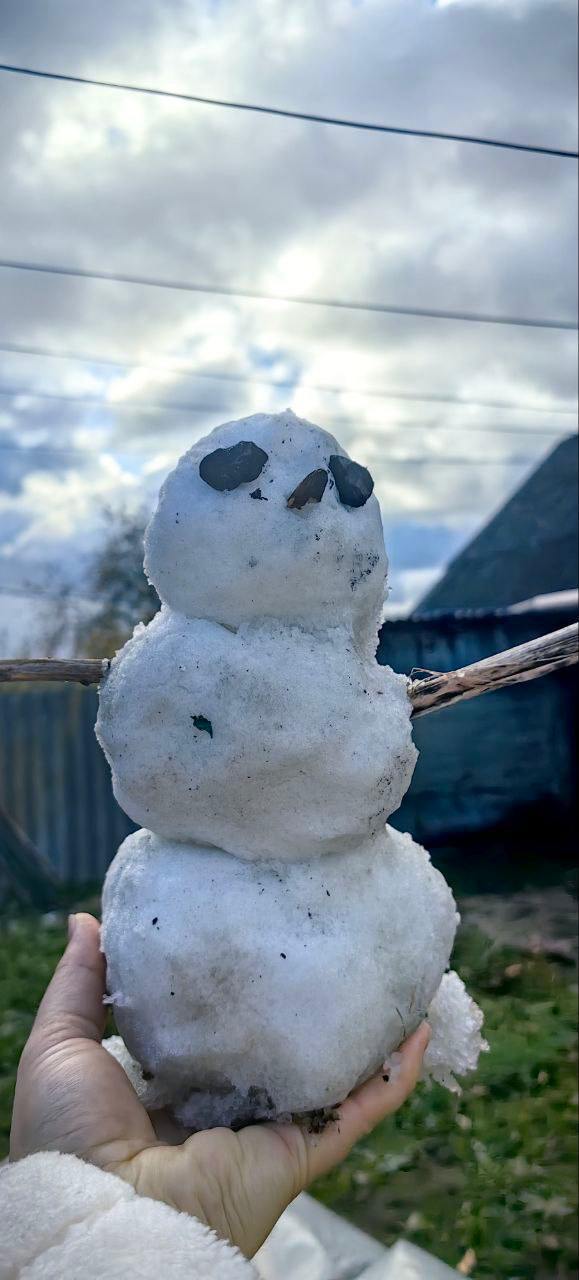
81, 670
514, 666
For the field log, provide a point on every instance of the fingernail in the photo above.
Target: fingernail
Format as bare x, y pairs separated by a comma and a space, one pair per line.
71, 926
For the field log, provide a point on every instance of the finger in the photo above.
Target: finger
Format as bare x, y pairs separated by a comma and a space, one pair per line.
72, 1005
367, 1106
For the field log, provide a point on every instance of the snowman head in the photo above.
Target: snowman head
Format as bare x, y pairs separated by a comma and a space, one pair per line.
268, 517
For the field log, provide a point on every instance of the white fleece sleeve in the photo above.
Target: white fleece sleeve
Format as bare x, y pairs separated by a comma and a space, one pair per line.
62, 1217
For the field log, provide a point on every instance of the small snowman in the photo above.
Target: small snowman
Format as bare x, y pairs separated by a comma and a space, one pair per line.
270, 941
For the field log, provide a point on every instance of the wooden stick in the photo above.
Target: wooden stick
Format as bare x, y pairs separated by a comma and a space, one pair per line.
525, 662
81, 670
513, 666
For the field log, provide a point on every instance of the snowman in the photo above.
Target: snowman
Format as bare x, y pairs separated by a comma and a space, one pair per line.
270, 940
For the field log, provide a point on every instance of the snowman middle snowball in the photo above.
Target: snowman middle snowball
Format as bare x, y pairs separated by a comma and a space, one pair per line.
271, 741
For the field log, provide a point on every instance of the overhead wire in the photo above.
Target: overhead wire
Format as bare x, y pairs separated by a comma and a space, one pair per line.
260, 295
287, 113
35, 451
13, 589
427, 396
162, 406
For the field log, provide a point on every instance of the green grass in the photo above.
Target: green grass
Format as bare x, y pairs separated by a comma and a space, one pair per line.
493, 1170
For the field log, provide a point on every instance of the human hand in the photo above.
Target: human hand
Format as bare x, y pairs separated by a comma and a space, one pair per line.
72, 1096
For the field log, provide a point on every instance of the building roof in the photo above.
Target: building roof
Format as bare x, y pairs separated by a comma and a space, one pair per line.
529, 548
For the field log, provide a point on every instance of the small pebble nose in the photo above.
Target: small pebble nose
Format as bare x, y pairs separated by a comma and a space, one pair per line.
310, 489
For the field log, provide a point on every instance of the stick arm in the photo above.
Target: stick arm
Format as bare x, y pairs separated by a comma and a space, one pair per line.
79, 670
514, 666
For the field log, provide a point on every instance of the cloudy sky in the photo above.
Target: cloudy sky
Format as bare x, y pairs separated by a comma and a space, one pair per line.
115, 181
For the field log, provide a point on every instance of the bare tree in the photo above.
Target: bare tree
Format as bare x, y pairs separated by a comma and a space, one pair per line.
118, 587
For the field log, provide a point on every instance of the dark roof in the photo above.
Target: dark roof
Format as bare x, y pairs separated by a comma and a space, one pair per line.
529, 548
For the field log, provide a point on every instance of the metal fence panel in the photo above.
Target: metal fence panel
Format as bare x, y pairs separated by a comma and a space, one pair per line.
55, 781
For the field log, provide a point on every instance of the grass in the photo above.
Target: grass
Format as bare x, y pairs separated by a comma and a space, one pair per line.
492, 1171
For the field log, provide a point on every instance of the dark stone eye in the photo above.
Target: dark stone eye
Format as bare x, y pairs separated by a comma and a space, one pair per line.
228, 468
353, 482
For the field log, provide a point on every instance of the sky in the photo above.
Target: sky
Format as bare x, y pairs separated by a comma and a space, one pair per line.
113, 181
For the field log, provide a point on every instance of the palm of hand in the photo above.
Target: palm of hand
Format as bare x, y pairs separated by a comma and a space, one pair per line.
72, 1096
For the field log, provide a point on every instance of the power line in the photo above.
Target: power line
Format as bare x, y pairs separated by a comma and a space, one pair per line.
184, 371
15, 590
35, 451
98, 402
64, 596
288, 114
341, 304
162, 406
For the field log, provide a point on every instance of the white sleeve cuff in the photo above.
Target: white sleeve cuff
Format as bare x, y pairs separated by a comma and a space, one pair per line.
62, 1217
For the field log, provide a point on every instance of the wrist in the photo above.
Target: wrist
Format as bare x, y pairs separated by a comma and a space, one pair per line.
157, 1173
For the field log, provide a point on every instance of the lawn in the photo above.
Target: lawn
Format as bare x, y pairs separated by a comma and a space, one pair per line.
492, 1171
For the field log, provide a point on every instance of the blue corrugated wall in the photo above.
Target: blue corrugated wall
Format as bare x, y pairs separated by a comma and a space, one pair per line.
506, 758
54, 779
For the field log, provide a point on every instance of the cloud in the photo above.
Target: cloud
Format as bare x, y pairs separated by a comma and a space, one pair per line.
116, 181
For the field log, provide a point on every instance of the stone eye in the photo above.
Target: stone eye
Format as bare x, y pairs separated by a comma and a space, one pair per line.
226, 469
353, 482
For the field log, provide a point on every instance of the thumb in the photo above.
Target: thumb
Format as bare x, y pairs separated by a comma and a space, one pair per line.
72, 1006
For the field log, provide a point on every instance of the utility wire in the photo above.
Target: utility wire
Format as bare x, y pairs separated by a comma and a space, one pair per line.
338, 121
65, 596
14, 590
98, 402
226, 291
161, 406
288, 383
35, 451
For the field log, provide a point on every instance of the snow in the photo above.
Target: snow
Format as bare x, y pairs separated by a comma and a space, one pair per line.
548, 600
257, 989
456, 1040
268, 742
231, 557
153, 1096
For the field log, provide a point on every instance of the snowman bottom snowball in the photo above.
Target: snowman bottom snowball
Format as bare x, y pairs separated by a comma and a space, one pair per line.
246, 991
